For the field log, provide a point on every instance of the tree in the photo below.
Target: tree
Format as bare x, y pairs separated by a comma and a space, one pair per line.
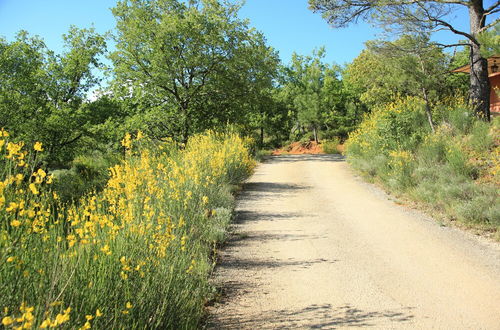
419, 16
313, 97
184, 65
410, 65
43, 94
306, 76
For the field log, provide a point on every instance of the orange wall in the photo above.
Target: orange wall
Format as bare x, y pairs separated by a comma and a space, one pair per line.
495, 88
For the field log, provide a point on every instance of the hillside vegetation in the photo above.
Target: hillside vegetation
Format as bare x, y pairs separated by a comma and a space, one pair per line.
455, 171
135, 255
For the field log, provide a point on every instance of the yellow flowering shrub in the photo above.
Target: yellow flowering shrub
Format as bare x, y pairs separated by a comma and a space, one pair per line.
136, 254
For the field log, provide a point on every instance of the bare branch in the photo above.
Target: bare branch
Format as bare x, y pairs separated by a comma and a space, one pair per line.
493, 8
490, 25
450, 45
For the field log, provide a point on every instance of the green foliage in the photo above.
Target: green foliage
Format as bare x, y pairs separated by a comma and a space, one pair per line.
183, 67
318, 100
409, 66
490, 41
42, 95
454, 170
137, 254
87, 174
330, 146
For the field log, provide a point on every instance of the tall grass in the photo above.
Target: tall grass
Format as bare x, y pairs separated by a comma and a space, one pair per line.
454, 171
135, 255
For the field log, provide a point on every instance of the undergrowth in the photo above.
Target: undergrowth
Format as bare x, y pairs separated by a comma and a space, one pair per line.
135, 255
454, 171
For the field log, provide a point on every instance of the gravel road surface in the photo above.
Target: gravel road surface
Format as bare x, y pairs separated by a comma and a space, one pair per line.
316, 247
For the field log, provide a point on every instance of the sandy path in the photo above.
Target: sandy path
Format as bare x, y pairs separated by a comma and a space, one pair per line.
315, 247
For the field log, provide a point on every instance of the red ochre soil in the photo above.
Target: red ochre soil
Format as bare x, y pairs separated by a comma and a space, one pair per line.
299, 148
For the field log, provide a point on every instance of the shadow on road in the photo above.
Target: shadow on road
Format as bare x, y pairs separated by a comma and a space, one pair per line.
304, 158
312, 317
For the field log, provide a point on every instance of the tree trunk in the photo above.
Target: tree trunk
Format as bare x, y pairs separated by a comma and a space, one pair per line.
185, 125
261, 136
428, 110
315, 131
479, 82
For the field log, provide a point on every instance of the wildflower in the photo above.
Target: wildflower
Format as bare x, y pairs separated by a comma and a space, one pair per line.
19, 178
33, 189
86, 326
41, 173
98, 313
10, 259
129, 305
12, 207
191, 267
46, 323
105, 249
127, 141
38, 146
15, 223
6, 321
204, 199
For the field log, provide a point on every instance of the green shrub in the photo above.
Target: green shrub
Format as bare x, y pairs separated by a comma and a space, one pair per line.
480, 138
135, 255
87, 173
330, 146
394, 146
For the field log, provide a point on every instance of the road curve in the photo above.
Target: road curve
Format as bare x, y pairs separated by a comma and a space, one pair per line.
315, 247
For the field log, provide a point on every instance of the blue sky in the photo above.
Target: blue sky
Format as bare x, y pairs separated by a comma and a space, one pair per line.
287, 24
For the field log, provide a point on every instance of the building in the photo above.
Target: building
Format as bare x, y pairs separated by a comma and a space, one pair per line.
494, 75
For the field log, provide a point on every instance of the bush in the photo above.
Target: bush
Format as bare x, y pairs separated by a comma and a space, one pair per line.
87, 174
135, 255
331, 146
454, 170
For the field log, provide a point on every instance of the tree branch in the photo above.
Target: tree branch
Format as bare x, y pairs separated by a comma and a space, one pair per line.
492, 9
486, 27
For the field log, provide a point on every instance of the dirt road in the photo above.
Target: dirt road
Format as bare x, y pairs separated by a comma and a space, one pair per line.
315, 247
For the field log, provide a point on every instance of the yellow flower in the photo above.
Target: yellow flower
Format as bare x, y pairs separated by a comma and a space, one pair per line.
41, 173
61, 318
38, 146
105, 249
98, 313
86, 326
10, 259
15, 223
12, 207
19, 178
46, 323
127, 141
129, 305
89, 317
33, 189
6, 321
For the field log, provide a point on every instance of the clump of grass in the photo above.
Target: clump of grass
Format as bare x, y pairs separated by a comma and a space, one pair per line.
135, 255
